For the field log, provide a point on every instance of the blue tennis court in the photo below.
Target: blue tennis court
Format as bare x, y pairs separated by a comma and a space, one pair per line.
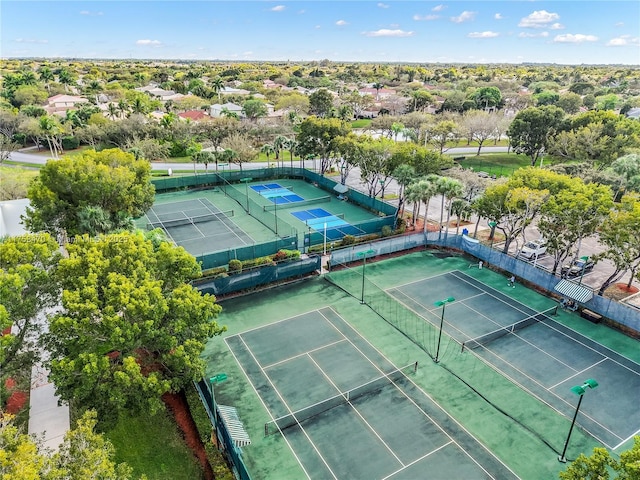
329, 224
277, 193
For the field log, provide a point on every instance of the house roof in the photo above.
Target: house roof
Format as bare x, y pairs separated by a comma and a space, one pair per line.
63, 98
193, 115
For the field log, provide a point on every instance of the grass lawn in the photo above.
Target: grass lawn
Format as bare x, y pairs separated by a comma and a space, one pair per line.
15, 181
153, 446
498, 164
362, 123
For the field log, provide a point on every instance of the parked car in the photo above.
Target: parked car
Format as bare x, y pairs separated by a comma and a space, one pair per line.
534, 249
577, 267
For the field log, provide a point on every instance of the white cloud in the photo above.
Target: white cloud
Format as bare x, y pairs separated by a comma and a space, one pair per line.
623, 41
385, 32
278, 8
341, 23
91, 14
30, 40
533, 35
483, 34
619, 24
425, 17
464, 17
147, 42
317, 27
382, 5
498, 16
247, 53
438, 8
538, 19
575, 38
556, 26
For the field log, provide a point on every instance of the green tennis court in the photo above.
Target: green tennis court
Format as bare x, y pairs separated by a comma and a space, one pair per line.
346, 411
539, 354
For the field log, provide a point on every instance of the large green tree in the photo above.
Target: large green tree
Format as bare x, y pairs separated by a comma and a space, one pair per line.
131, 327
27, 287
317, 137
532, 128
83, 454
619, 235
600, 465
111, 180
321, 103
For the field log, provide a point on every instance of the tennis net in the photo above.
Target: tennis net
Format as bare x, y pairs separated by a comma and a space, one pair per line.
311, 201
295, 418
189, 220
483, 340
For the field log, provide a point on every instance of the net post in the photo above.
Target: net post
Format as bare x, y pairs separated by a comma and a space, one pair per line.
266, 430
463, 344
415, 367
555, 311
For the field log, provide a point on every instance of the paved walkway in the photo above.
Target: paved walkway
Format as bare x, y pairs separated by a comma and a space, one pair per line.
47, 418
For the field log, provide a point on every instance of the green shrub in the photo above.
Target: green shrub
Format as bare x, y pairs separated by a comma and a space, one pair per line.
257, 262
70, 143
235, 266
285, 255
348, 240
20, 138
214, 272
386, 230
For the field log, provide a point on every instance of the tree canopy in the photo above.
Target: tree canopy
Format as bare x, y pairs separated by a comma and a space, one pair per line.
130, 328
94, 192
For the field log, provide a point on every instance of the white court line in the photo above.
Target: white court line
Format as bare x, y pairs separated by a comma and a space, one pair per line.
222, 221
416, 405
418, 460
327, 345
542, 387
288, 408
578, 372
266, 408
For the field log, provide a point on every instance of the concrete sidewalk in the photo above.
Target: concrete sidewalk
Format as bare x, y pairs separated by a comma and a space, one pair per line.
47, 419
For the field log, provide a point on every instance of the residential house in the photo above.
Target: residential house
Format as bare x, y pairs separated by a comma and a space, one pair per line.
217, 109
60, 104
194, 115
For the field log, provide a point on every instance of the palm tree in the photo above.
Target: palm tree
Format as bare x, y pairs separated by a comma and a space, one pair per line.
123, 107
138, 106
94, 87
396, 128
50, 129
291, 145
217, 85
378, 86
404, 175
112, 110
46, 75
449, 188
267, 149
279, 144
205, 157
65, 78
28, 78
421, 192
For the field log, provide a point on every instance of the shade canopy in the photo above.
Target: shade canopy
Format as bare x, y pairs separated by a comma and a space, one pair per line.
576, 292
340, 188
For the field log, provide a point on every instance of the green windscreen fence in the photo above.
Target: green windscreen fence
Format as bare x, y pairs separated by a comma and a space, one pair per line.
410, 324
247, 252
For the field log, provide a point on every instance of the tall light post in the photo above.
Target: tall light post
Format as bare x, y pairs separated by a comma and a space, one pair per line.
578, 390
584, 265
246, 181
363, 255
221, 377
443, 304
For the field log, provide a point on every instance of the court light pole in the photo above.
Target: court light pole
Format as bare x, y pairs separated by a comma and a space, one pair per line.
443, 304
584, 265
221, 377
580, 391
363, 255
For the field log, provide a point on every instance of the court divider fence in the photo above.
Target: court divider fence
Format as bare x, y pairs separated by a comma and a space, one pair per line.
231, 452
250, 279
247, 252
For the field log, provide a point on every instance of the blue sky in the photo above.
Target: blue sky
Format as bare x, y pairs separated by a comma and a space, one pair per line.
563, 32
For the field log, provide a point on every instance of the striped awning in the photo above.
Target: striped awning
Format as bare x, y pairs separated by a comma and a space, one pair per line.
234, 426
572, 290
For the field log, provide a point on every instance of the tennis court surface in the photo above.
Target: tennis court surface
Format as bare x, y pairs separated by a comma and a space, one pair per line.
190, 223
333, 226
542, 356
346, 411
